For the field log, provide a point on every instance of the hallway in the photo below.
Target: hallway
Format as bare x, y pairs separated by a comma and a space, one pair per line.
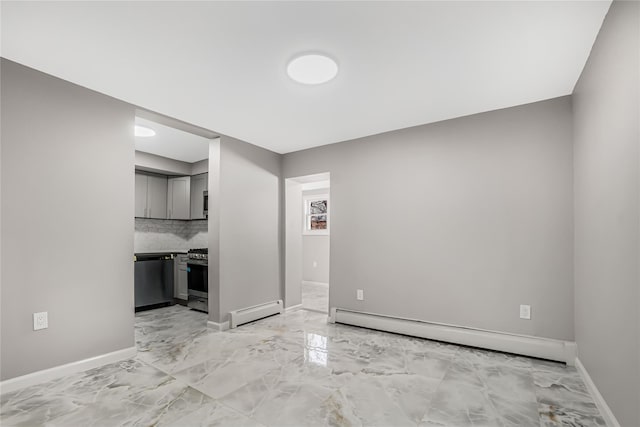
315, 296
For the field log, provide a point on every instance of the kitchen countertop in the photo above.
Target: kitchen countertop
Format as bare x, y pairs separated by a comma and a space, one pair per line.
167, 252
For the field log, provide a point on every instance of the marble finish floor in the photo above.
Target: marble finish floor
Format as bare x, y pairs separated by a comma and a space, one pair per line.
315, 297
295, 369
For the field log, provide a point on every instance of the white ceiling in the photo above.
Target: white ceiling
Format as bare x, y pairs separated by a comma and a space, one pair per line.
172, 143
221, 65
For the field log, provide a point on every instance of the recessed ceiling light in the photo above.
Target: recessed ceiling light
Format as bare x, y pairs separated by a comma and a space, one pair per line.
144, 131
312, 69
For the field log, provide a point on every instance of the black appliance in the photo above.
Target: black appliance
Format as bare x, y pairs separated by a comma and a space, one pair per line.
198, 279
153, 280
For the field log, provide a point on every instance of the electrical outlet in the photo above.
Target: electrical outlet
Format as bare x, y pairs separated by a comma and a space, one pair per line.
315, 264
360, 295
40, 320
525, 312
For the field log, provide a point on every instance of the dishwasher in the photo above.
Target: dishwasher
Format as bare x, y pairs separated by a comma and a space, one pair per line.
153, 280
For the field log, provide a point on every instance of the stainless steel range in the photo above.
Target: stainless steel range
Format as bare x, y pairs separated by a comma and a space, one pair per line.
198, 279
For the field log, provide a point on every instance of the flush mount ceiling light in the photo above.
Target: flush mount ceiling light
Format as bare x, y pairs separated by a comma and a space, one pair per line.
144, 131
312, 69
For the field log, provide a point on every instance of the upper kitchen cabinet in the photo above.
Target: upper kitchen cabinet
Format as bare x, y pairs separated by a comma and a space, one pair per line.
141, 195
179, 198
157, 196
199, 184
151, 196
172, 152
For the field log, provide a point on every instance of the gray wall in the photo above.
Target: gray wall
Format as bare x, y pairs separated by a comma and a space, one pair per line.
67, 221
293, 243
456, 222
214, 230
607, 188
247, 206
315, 248
200, 167
153, 163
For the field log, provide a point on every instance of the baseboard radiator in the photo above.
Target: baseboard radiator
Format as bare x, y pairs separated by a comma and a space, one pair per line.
543, 348
249, 314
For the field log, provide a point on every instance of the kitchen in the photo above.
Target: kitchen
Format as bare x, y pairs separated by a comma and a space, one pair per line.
171, 213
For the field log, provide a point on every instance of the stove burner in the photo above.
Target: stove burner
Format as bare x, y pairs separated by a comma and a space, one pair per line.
200, 253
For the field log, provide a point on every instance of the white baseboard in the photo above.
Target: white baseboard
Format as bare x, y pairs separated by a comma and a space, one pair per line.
218, 326
49, 374
605, 411
293, 308
332, 315
544, 348
255, 312
307, 282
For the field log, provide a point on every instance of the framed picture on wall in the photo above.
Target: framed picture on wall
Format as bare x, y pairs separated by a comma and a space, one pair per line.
316, 214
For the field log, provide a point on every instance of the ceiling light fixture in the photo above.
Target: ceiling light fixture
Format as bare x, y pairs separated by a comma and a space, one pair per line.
312, 69
144, 131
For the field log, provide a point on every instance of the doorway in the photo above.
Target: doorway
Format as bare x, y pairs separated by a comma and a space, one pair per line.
308, 230
171, 219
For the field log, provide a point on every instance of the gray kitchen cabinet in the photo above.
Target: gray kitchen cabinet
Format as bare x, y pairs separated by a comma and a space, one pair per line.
199, 184
179, 198
157, 197
151, 196
141, 195
181, 289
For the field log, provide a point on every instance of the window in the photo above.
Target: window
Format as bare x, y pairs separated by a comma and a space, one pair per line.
316, 214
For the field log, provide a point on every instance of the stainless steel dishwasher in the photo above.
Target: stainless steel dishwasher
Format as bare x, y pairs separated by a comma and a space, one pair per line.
153, 280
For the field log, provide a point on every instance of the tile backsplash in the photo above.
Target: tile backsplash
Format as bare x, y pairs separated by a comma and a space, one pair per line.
153, 235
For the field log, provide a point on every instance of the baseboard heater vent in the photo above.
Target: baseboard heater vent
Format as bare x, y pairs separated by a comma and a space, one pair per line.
249, 314
543, 348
